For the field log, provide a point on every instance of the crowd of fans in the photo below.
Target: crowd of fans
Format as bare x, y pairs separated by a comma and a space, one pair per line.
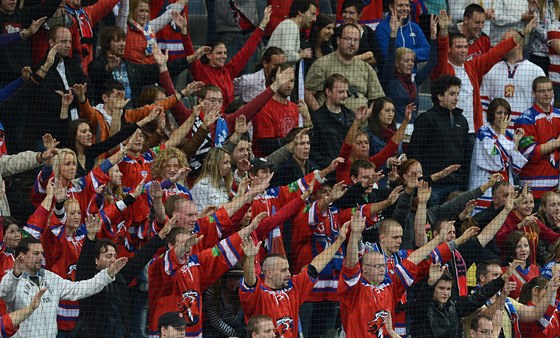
160, 186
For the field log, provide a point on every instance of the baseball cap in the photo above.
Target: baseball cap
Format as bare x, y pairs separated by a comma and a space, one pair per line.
261, 163
174, 319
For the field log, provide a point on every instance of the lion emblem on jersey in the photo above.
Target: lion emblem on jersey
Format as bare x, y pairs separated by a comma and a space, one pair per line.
377, 324
284, 325
190, 308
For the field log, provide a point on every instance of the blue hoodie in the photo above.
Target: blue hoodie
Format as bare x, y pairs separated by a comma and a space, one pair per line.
410, 35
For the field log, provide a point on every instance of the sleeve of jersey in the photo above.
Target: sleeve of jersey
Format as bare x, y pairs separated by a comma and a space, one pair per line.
7, 329
441, 254
98, 176
304, 283
545, 321
219, 259
212, 227
527, 145
39, 189
295, 189
406, 273
110, 215
348, 279
281, 216
343, 169
37, 222
248, 297
365, 211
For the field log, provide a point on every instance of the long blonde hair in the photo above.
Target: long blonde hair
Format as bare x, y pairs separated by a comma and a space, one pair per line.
211, 169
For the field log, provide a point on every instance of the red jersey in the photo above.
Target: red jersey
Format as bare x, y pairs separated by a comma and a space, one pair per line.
169, 38
275, 120
312, 233
510, 224
223, 76
61, 257
520, 277
478, 46
7, 328
281, 305
81, 189
547, 326
274, 199
363, 306
541, 171
177, 284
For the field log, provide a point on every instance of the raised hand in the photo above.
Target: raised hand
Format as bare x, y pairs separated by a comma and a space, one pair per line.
518, 135
80, 91
113, 62
33, 28
395, 194
394, 23
297, 139
357, 223
18, 265
528, 221
424, 192
181, 174
50, 144
309, 191
139, 188
249, 247
435, 273
266, 17
468, 234
117, 266
200, 52
93, 225
361, 115
446, 172
434, 19
211, 116
241, 125
338, 190
50, 57
444, 22
60, 192
155, 190
511, 268
343, 231
26, 73
36, 300
170, 224
180, 21
66, 99
334, 164
160, 57
410, 108
282, 78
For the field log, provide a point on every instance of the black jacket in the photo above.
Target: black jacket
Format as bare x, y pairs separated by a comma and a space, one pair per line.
431, 320
104, 314
436, 143
329, 131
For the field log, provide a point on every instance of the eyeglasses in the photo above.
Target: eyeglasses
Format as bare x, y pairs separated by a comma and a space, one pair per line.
485, 332
375, 266
349, 39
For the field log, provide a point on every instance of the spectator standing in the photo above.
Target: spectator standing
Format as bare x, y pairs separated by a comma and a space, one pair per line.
363, 82
409, 34
331, 121
286, 34
541, 141
474, 18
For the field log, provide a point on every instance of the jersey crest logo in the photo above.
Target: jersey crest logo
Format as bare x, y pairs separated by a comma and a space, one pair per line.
377, 324
284, 325
189, 307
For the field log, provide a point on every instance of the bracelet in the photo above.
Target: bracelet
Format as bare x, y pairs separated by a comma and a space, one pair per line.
521, 34
43, 69
262, 27
182, 95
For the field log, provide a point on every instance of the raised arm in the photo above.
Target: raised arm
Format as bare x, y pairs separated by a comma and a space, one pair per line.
424, 193
250, 250
357, 226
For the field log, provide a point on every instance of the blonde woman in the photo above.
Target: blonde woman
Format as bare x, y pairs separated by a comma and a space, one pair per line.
213, 187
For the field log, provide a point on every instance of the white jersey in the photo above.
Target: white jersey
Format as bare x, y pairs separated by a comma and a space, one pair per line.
513, 82
493, 153
18, 292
